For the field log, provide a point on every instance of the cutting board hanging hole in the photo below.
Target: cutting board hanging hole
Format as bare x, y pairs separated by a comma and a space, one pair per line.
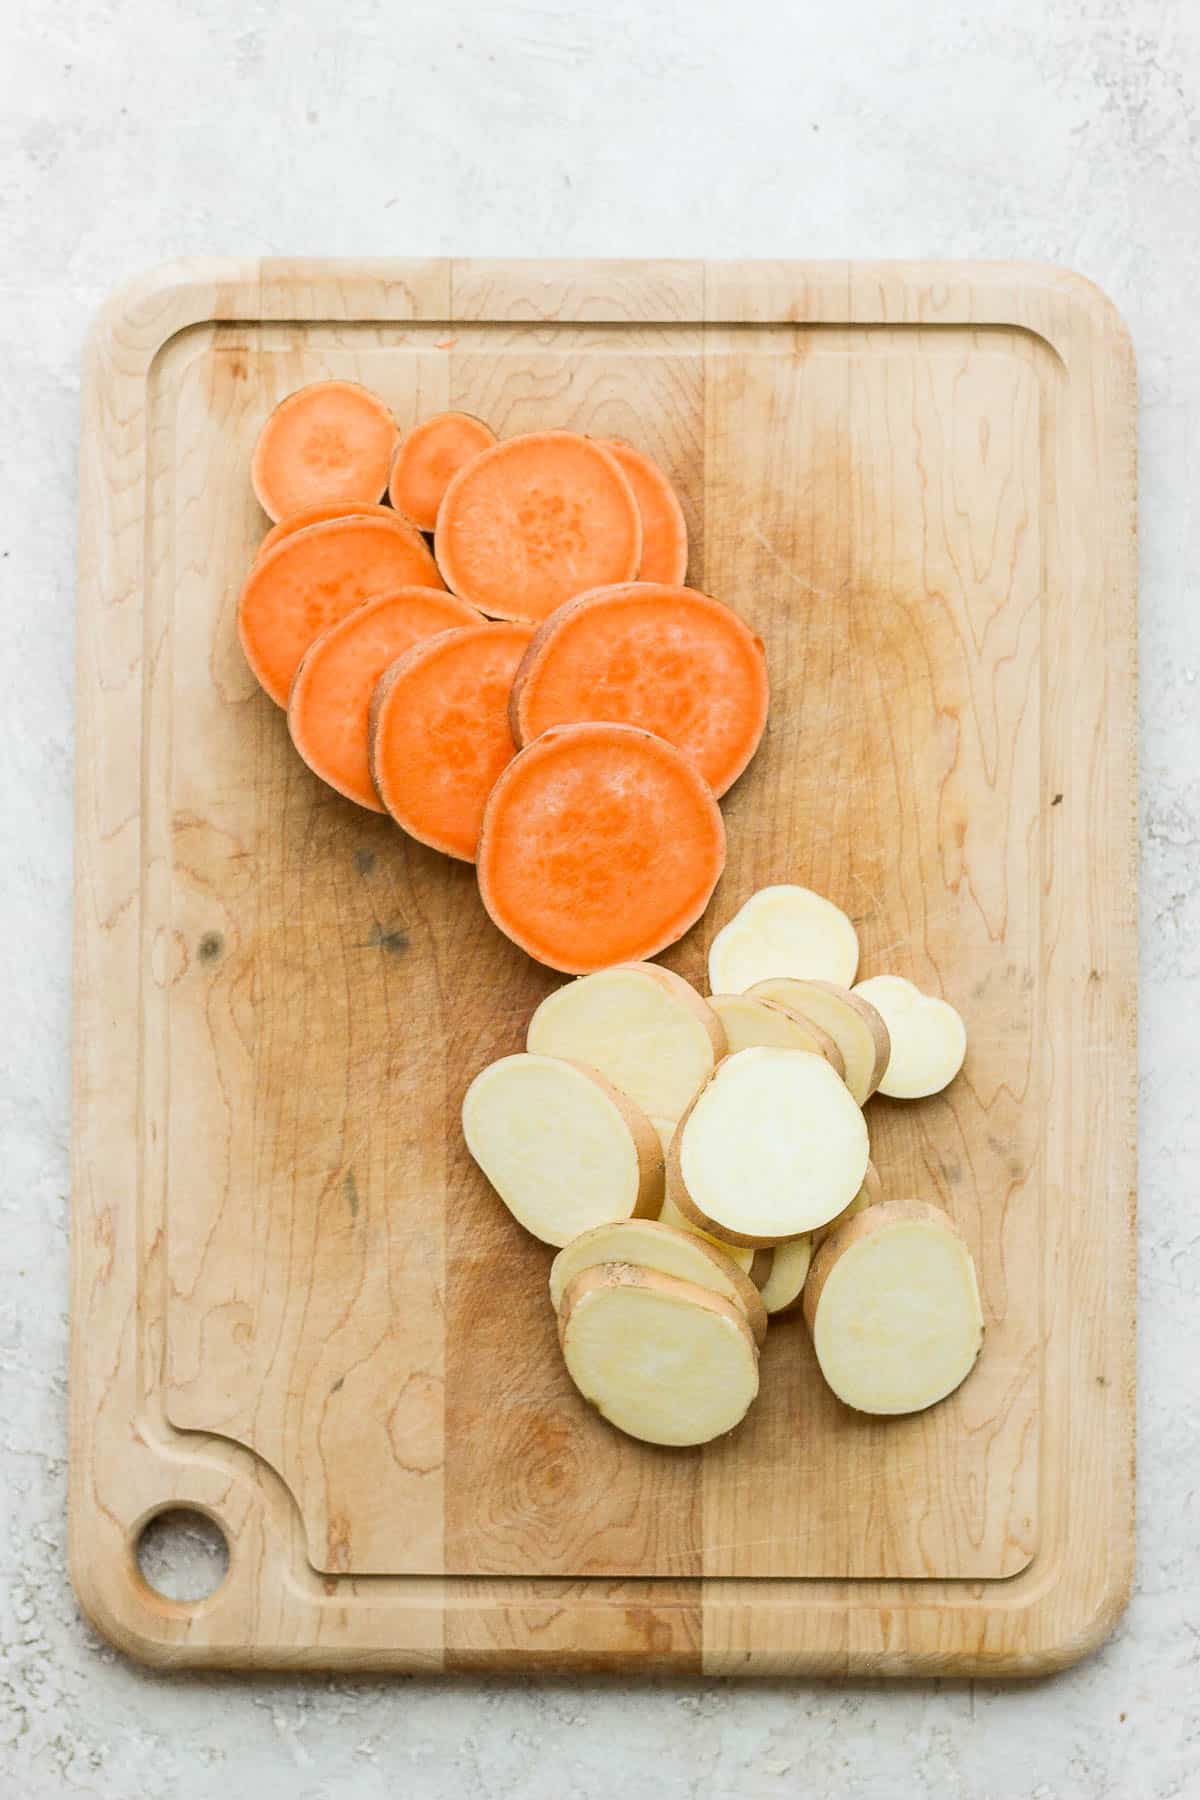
182, 1554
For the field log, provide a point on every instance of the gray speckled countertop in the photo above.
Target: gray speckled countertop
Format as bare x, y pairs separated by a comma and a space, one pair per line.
134, 130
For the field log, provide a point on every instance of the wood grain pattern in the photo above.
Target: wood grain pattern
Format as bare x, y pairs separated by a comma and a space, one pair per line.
295, 1303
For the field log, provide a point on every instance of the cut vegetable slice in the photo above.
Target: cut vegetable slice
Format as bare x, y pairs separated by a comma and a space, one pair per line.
562, 1148
600, 845
784, 1275
536, 520
645, 1028
649, 1244
670, 1214
772, 1147
893, 1306
330, 699
869, 1194
321, 515
851, 1021
751, 1022
664, 529
428, 459
331, 440
928, 1038
667, 659
439, 734
783, 930
659, 1358
315, 577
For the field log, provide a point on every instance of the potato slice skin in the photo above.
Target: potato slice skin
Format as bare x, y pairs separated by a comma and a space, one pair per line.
589, 1020
772, 1146
650, 1244
555, 1205
892, 1305
663, 1360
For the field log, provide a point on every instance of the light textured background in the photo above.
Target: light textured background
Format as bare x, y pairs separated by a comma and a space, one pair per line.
134, 130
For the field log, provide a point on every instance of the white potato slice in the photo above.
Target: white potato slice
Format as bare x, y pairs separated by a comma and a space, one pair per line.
644, 1028
671, 1215
649, 1244
929, 1039
869, 1194
661, 1359
772, 1147
562, 1148
783, 930
893, 1307
752, 1022
784, 1274
855, 1026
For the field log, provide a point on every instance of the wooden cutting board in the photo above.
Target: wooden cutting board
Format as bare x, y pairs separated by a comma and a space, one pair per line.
296, 1305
